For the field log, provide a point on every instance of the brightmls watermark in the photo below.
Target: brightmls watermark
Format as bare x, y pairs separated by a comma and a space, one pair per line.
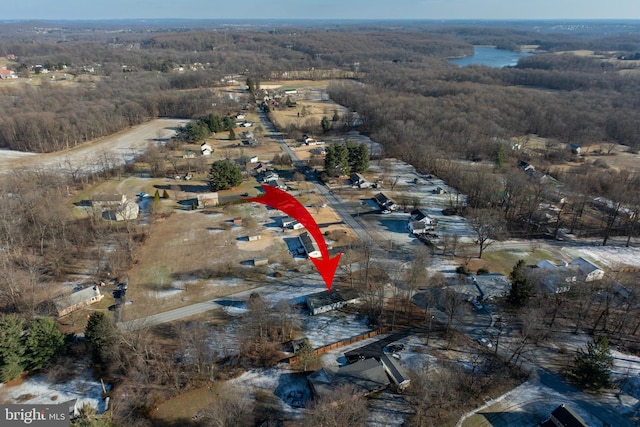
35, 415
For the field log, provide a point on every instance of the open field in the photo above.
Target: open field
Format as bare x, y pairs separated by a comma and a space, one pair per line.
116, 149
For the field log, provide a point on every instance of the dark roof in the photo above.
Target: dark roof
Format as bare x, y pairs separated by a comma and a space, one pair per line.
367, 375
567, 417
381, 198
320, 299
419, 215
356, 177
393, 369
308, 243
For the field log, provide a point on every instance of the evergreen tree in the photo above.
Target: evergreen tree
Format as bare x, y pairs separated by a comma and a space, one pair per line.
12, 348
224, 175
592, 367
325, 124
43, 343
358, 156
306, 357
101, 334
336, 161
165, 194
521, 289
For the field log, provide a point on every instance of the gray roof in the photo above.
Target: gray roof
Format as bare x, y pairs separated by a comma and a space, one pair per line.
63, 303
492, 285
367, 375
320, 299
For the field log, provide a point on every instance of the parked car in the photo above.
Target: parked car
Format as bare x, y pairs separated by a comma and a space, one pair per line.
394, 348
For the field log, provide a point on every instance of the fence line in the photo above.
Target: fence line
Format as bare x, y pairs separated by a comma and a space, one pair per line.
345, 342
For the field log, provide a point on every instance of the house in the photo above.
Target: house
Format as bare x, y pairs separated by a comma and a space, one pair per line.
324, 301
206, 149
103, 201
83, 298
7, 74
492, 285
210, 198
288, 222
563, 416
270, 176
575, 148
588, 271
309, 246
417, 227
395, 372
555, 279
419, 215
357, 179
254, 159
127, 211
385, 202
368, 376
236, 221
277, 184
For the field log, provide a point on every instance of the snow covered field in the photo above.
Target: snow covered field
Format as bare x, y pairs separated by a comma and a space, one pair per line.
38, 390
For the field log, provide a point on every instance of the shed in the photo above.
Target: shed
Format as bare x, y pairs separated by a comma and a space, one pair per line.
324, 301
254, 237
85, 297
237, 221
260, 261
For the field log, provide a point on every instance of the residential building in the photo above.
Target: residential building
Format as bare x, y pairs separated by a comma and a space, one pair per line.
83, 298
588, 271
395, 372
309, 246
563, 416
367, 376
385, 202
324, 301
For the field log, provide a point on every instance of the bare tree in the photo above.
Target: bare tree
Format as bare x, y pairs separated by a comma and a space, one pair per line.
344, 407
488, 226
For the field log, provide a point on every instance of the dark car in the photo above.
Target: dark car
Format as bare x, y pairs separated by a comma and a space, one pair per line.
395, 348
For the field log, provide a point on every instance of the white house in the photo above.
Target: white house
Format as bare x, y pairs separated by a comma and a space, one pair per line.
270, 176
418, 215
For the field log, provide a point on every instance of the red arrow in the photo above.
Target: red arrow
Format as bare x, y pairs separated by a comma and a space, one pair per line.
286, 203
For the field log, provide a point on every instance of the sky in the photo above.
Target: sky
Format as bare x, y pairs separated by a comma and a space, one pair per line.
321, 9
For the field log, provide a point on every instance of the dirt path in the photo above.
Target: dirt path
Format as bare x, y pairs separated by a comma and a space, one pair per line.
93, 156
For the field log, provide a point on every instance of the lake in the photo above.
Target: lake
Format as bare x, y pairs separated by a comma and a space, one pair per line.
491, 57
